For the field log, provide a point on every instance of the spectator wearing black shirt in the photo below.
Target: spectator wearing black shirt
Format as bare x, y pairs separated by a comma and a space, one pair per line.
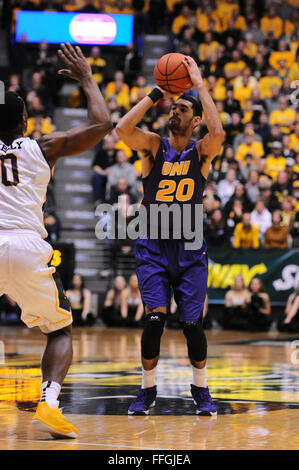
216, 231
231, 105
235, 128
103, 160
119, 189
258, 105
259, 307
240, 194
259, 65
263, 128
234, 217
282, 187
41, 91
269, 199
212, 66
235, 314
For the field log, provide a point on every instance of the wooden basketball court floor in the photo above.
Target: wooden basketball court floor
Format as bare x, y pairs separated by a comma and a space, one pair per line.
254, 379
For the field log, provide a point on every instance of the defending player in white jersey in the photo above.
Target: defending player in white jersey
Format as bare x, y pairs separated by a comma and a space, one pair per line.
26, 273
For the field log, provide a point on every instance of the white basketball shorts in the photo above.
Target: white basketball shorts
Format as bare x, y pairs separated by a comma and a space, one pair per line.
26, 275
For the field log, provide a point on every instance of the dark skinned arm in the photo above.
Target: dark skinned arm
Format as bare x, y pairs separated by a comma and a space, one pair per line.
88, 134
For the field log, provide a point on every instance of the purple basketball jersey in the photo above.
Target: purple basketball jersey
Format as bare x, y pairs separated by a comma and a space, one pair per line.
174, 179
162, 264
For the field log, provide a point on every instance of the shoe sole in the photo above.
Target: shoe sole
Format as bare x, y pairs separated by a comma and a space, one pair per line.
43, 427
141, 413
204, 413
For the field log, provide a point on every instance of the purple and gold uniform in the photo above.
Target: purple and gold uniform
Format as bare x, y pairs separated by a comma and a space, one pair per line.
162, 264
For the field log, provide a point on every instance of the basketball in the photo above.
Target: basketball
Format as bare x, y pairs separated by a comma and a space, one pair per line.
171, 74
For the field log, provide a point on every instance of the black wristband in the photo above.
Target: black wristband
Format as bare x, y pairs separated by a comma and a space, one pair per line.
155, 95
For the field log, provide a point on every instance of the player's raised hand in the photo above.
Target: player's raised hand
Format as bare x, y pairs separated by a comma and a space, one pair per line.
193, 71
77, 65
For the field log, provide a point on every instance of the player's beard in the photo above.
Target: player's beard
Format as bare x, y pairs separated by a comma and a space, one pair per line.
175, 127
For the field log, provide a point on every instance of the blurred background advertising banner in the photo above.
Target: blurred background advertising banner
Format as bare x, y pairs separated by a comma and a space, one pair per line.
75, 28
278, 269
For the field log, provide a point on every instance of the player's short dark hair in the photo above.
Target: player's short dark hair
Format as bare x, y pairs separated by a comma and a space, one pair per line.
196, 105
11, 112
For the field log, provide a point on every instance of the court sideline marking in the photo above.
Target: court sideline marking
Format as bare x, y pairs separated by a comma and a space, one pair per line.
58, 441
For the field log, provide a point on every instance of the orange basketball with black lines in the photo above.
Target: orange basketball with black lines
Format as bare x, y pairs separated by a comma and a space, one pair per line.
171, 74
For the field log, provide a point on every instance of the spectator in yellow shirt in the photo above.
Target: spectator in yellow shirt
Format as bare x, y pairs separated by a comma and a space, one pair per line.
283, 70
292, 23
253, 147
275, 162
98, 64
204, 18
294, 70
119, 89
216, 88
243, 92
252, 81
294, 139
247, 112
239, 21
235, 67
246, 235
282, 53
208, 47
283, 116
120, 145
140, 86
250, 49
225, 10
224, 117
37, 121
41, 124
294, 44
267, 82
272, 22
182, 19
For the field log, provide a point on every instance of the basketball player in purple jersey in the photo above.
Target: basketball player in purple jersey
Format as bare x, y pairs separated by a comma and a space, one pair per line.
174, 170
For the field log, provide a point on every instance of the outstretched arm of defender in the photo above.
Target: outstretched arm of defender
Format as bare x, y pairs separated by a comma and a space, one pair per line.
85, 136
210, 145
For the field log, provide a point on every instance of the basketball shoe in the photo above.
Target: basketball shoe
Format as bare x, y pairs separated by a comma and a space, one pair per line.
47, 419
146, 399
203, 401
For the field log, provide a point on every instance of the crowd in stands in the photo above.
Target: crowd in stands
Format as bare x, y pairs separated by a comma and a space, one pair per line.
248, 53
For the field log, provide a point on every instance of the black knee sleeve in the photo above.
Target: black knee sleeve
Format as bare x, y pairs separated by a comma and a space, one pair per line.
196, 340
151, 336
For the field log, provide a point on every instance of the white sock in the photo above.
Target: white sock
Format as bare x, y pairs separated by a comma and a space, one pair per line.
148, 378
49, 393
199, 376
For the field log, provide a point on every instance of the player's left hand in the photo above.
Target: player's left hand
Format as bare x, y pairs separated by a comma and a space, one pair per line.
78, 67
193, 71
166, 94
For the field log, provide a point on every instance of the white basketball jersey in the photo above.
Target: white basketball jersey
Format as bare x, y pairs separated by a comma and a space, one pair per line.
24, 177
